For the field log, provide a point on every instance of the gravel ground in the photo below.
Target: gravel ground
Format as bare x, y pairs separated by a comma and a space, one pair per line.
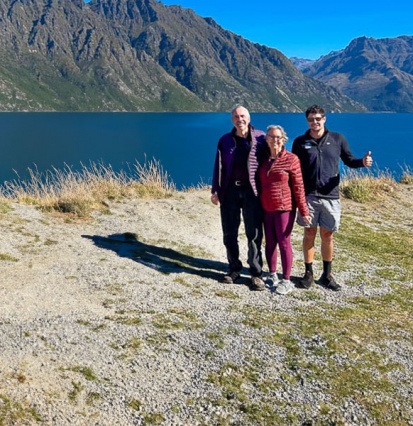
120, 319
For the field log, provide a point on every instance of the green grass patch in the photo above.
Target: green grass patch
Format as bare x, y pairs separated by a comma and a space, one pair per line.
135, 404
226, 294
181, 281
83, 322
130, 348
152, 418
132, 344
15, 413
217, 339
177, 319
383, 248
159, 340
74, 393
260, 318
8, 257
86, 372
93, 397
235, 382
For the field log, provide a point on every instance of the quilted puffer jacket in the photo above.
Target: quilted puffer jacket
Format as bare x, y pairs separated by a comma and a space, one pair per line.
281, 183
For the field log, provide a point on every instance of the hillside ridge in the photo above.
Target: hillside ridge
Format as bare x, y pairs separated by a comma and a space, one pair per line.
140, 55
376, 72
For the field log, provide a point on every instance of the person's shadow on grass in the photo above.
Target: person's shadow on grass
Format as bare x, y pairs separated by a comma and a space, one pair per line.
162, 259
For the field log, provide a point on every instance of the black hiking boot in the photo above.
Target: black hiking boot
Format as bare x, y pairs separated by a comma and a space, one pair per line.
329, 282
307, 281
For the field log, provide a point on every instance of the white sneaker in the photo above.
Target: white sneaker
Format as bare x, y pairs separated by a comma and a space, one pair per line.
284, 287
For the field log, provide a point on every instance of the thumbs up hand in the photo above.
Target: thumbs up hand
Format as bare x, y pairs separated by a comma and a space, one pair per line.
367, 160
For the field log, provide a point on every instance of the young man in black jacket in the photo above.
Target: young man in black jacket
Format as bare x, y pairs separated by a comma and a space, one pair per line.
319, 151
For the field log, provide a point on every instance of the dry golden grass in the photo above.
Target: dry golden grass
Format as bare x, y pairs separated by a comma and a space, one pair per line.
362, 186
201, 186
77, 192
407, 176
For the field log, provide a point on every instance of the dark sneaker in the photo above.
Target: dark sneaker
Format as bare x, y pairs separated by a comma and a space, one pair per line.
257, 284
308, 280
329, 282
231, 277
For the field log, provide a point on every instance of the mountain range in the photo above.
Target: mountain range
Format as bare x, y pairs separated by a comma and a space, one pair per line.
375, 72
140, 55
302, 63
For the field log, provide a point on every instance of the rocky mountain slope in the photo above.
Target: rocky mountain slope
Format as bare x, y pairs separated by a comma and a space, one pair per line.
376, 72
302, 63
140, 55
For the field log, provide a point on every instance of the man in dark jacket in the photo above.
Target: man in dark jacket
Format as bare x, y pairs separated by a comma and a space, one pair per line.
234, 188
319, 151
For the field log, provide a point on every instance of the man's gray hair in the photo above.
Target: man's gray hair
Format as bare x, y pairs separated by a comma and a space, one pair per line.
280, 128
239, 106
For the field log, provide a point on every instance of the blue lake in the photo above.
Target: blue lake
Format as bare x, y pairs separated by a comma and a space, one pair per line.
185, 143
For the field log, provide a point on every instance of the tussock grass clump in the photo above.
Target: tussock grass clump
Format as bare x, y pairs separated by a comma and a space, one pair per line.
200, 186
5, 207
407, 176
77, 192
152, 180
362, 186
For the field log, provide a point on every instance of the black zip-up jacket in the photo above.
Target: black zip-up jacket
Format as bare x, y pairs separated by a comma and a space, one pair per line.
320, 162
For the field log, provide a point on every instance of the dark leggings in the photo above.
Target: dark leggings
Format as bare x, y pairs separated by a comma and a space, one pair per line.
278, 227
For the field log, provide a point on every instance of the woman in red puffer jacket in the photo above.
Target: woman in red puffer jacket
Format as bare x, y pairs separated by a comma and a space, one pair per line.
281, 191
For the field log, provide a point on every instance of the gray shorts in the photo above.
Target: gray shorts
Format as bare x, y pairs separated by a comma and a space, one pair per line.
324, 212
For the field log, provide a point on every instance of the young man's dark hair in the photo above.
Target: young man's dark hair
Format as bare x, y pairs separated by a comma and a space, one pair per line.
315, 109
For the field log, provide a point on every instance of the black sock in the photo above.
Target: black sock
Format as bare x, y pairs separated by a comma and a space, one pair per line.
327, 267
309, 268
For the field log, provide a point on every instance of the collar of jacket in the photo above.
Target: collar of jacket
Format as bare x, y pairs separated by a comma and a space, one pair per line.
250, 129
309, 137
267, 153
283, 151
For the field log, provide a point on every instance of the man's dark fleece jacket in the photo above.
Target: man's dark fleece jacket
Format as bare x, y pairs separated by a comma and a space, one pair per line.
320, 162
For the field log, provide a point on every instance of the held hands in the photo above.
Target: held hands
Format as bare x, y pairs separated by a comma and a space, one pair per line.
215, 199
367, 160
307, 219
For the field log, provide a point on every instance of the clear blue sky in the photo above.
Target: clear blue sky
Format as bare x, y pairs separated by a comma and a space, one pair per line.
307, 29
